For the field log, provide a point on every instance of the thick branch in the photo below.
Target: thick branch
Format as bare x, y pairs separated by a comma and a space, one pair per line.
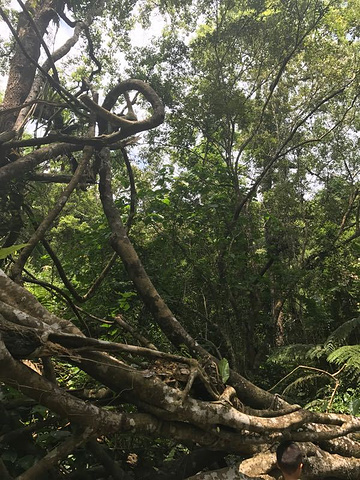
28, 47
56, 178
161, 312
132, 189
17, 169
99, 420
20, 306
33, 61
46, 393
111, 466
122, 245
39, 80
39, 35
129, 127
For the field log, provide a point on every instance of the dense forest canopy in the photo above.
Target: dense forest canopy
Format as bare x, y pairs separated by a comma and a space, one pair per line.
179, 227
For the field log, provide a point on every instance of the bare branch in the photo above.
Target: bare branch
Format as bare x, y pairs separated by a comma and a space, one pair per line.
144, 341
47, 222
26, 163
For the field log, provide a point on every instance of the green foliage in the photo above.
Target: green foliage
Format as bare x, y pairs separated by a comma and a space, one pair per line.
224, 370
348, 355
334, 352
241, 84
124, 303
4, 252
175, 451
303, 385
246, 198
343, 402
290, 355
355, 406
343, 334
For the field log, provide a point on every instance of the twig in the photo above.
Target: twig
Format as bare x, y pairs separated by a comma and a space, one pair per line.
5, 111
324, 372
90, 315
299, 367
144, 341
53, 288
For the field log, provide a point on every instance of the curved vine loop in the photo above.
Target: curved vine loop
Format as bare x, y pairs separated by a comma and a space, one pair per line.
127, 127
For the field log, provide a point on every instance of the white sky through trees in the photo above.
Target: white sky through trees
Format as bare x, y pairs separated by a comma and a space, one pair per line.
58, 35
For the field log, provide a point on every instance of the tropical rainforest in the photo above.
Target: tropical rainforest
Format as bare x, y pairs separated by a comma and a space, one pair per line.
179, 238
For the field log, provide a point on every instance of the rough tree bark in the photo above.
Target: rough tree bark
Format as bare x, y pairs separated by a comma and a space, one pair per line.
22, 71
217, 423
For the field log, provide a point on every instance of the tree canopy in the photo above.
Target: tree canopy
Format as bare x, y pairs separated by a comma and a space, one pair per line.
179, 230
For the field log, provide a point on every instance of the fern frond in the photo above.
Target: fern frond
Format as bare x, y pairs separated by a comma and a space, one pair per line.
348, 354
341, 334
290, 354
317, 404
315, 352
302, 382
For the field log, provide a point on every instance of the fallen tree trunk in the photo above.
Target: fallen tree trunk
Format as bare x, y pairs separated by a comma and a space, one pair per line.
216, 421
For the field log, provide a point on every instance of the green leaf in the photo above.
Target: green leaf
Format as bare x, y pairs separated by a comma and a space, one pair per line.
166, 201
40, 410
355, 406
123, 303
224, 369
4, 252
